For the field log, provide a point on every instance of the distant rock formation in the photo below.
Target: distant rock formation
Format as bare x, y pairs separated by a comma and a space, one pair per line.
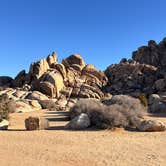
72, 79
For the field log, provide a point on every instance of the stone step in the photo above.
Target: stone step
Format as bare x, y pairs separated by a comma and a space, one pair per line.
57, 116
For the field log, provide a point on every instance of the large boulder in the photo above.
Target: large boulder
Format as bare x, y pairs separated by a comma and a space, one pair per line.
47, 88
52, 59
49, 104
21, 106
80, 122
35, 95
51, 83
73, 60
153, 98
83, 90
157, 104
60, 68
38, 69
152, 125
91, 75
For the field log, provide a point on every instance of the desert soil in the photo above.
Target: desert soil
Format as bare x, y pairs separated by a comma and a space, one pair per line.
58, 147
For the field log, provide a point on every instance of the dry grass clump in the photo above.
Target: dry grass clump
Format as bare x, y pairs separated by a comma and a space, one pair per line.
6, 107
132, 108
1, 88
124, 111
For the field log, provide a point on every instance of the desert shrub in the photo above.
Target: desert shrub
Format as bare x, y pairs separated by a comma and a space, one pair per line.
124, 112
130, 104
84, 106
6, 106
1, 88
108, 117
131, 108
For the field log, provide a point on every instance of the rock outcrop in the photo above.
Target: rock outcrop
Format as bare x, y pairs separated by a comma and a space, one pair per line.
5, 81
50, 78
47, 79
127, 78
153, 54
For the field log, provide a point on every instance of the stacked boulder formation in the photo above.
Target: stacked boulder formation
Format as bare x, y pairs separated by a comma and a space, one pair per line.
144, 74
64, 83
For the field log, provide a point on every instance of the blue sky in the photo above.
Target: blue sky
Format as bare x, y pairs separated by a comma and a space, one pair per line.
102, 31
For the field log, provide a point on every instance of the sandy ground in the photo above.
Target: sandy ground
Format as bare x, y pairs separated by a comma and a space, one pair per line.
58, 147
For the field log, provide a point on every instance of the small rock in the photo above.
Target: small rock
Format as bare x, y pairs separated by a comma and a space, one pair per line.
153, 98
80, 122
36, 123
32, 123
152, 125
4, 124
43, 124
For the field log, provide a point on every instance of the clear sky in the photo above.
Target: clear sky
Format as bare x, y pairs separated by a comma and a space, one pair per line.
102, 31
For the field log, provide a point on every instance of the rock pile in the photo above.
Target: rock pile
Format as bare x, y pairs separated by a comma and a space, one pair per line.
128, 78
144, 74
64, 83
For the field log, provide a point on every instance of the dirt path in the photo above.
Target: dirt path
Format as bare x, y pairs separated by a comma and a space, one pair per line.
78, 148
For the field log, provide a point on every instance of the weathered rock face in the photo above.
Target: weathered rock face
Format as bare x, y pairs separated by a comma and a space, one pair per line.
153, 54
52, 59
74, 61
5, 81
35, 95
21, 79
39, 68
51, 78
55, 86
125, 78
92, 76
83, 90
143, 75
51, 83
